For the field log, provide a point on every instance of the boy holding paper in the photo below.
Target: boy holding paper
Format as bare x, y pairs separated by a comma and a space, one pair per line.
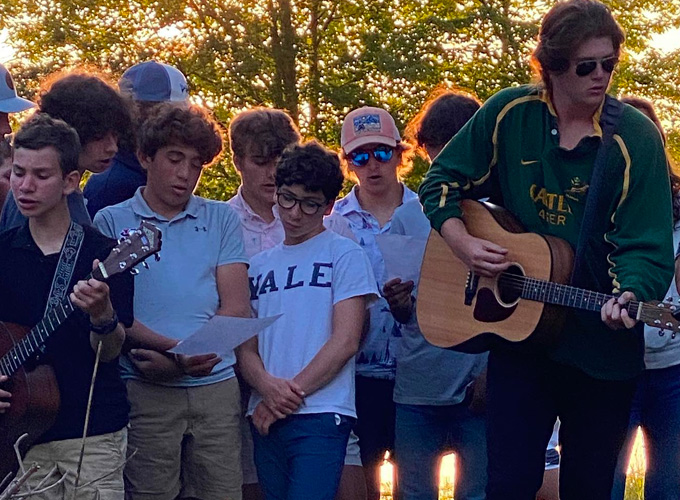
433, 387
184, 419
301, 368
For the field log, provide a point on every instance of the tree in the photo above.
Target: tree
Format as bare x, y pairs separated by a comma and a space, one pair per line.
320, 58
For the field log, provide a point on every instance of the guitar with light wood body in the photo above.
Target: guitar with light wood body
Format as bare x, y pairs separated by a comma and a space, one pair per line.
459, 309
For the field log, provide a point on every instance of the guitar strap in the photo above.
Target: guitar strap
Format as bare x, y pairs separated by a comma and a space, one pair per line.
67, 263
595, 202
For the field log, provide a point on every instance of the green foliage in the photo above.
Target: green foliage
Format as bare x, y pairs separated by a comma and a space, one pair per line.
320, 58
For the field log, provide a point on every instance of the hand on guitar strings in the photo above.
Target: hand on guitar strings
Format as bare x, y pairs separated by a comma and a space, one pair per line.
263, 418
4, 405
399, 298
92, 296
615, 315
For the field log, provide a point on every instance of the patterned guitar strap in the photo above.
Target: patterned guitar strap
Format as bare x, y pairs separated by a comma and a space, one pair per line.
65, 267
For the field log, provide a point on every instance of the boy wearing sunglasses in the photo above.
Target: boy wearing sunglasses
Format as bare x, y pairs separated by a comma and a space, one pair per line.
375, 158
301, 368
534, 148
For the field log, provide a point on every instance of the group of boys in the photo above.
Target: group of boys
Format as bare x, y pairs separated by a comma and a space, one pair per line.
179, 419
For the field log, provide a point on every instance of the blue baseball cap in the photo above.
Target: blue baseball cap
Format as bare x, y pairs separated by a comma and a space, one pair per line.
155, 82
10, 102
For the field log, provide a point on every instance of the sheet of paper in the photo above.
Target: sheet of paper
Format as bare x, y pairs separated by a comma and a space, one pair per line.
403, 256
222, 334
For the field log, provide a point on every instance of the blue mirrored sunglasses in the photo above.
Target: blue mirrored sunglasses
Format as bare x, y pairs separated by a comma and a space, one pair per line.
359, 157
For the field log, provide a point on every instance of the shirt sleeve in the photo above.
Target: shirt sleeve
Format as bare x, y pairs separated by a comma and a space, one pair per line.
353, 276
464, 163
232, 249
103, 222
642, 259
339, 225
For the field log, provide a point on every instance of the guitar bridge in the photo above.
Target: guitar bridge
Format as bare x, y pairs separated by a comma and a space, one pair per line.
471, 285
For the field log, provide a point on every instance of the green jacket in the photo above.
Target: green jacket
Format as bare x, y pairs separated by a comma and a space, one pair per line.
510, 152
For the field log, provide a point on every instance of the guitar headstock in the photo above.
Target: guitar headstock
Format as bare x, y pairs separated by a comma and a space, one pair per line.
133, 247
663, 315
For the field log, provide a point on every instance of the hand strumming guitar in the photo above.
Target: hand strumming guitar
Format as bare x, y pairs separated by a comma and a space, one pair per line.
481, 256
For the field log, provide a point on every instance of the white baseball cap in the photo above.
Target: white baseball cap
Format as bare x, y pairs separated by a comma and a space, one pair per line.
9, 101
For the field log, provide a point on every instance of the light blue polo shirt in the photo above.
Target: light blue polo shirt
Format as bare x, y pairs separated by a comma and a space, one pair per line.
178, 293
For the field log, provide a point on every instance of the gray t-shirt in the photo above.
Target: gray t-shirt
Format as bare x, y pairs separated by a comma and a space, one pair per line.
428, 375
11, 216
662, 351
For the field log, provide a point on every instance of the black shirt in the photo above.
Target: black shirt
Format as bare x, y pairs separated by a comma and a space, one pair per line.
25, 282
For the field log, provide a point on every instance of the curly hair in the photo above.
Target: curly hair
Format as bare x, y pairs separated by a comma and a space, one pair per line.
88, 103
312, 166
441, 117
565, 27
175, 123
42, 131
262, 132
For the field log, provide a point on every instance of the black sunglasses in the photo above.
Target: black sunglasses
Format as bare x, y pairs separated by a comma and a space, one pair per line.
584, 68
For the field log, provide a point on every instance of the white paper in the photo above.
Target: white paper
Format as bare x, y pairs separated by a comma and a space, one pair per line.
222, 334
403, 256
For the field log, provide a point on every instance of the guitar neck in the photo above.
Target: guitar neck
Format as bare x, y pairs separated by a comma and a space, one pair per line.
28, 346
562, 295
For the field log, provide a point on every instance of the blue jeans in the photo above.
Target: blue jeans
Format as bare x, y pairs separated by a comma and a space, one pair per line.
302, 457
423, 434
656, 408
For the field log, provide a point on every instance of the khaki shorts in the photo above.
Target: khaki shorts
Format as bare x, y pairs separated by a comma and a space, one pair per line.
188, 442
103, 454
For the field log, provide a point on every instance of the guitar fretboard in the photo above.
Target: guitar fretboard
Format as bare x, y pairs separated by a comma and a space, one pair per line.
562, 295
36, 338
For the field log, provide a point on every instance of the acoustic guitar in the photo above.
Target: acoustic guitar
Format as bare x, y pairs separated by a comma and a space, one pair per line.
35, 394
460, 309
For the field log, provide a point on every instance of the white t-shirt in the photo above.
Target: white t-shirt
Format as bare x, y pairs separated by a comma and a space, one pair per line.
304, 282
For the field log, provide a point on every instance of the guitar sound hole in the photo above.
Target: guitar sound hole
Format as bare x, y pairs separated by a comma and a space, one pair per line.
510, 284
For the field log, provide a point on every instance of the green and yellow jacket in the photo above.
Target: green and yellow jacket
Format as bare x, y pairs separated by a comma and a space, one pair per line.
510, 152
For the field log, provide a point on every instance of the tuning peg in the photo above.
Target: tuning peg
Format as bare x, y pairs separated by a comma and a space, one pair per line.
669, 299
134, 271
157, 256
662, 333
146, 266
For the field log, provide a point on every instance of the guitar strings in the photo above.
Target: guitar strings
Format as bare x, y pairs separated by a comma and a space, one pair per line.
518, 282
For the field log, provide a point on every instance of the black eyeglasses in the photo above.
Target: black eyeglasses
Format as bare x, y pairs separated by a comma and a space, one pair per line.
360, 157
584, 68
288, 201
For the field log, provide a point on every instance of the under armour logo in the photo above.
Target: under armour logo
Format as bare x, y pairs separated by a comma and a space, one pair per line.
202, 228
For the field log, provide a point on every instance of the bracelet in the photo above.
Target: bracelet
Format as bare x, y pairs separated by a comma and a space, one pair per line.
107, 328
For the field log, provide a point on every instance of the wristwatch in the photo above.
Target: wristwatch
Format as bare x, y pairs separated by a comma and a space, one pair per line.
106, 328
